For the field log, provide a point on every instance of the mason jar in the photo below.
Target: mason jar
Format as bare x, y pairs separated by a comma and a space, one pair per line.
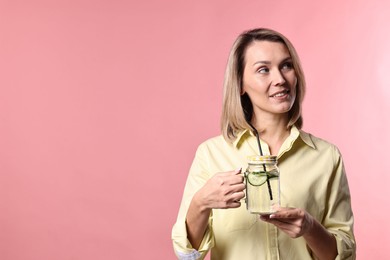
262, 185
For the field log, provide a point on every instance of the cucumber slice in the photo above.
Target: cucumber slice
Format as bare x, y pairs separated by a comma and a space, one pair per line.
257, 178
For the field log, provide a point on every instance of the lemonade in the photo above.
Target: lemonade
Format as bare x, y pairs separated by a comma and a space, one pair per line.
262, 185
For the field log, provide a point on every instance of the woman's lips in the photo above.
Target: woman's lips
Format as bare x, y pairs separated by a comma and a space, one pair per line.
280, 93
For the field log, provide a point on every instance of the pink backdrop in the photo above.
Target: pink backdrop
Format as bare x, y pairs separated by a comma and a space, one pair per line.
103, 103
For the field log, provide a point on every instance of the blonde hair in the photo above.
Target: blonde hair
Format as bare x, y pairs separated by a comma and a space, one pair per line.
237, 109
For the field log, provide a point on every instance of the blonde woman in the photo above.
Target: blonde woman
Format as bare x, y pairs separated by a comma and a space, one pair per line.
263, 93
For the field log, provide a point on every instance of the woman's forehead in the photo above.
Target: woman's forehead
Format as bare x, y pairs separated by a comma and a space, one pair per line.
266, 52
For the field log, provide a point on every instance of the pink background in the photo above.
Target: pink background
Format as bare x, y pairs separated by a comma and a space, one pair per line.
103, 103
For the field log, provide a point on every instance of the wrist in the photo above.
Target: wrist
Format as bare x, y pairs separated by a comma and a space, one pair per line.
312, 227
315, 231
321, 241
199, 203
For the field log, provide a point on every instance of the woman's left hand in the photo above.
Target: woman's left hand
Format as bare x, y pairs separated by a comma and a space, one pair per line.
293, 221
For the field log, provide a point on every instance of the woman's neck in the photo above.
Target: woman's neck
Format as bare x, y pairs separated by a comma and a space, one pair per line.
274, 132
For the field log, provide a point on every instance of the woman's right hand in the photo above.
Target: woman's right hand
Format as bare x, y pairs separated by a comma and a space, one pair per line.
222, 191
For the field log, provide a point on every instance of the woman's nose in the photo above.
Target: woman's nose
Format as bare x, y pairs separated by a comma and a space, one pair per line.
278, 78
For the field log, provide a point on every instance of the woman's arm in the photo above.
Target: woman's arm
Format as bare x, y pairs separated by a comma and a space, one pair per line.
297, 223
197, 221
322, 243
223, 190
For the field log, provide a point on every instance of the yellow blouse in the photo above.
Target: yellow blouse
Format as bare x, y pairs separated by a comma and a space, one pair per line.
312, 177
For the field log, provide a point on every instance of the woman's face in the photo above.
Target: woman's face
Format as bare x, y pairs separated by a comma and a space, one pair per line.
269, 78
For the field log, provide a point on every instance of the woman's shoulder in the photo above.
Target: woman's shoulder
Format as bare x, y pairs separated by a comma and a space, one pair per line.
317, 142
215, 143
217, 140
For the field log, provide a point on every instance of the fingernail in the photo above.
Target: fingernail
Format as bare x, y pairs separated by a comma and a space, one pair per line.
238, 170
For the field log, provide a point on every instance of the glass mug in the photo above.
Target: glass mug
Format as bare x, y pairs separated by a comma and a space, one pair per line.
262, 185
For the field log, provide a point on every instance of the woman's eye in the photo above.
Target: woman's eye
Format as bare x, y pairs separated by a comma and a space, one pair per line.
263, 70
287, 66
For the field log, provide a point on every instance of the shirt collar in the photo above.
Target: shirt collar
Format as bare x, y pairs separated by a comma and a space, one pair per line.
294, 133
307, 139
241, 136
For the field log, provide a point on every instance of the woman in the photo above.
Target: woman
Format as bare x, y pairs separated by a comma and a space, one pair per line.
264, 88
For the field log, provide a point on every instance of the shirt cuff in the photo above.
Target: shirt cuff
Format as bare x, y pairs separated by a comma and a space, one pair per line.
346, 247
183, 247
193, 255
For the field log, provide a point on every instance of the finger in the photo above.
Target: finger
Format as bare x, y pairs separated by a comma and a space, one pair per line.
274, 220
234, 179
229, 173
234, 190
237, 196
231, 204
281, 224
238, 187
287, 213
237, 171
235, 204
290, 228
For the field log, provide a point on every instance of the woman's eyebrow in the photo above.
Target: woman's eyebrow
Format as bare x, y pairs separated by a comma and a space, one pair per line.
268, 62
262, 62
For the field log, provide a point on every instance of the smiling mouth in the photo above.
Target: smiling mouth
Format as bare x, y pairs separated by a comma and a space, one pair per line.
281, 93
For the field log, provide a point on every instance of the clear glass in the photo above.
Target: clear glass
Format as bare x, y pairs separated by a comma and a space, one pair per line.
262, 185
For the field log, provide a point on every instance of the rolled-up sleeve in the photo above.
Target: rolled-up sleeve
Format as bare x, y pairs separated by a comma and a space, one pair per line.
339, 217
197, 177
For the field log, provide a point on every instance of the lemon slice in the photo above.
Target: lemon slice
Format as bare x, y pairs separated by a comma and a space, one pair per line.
257, 178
